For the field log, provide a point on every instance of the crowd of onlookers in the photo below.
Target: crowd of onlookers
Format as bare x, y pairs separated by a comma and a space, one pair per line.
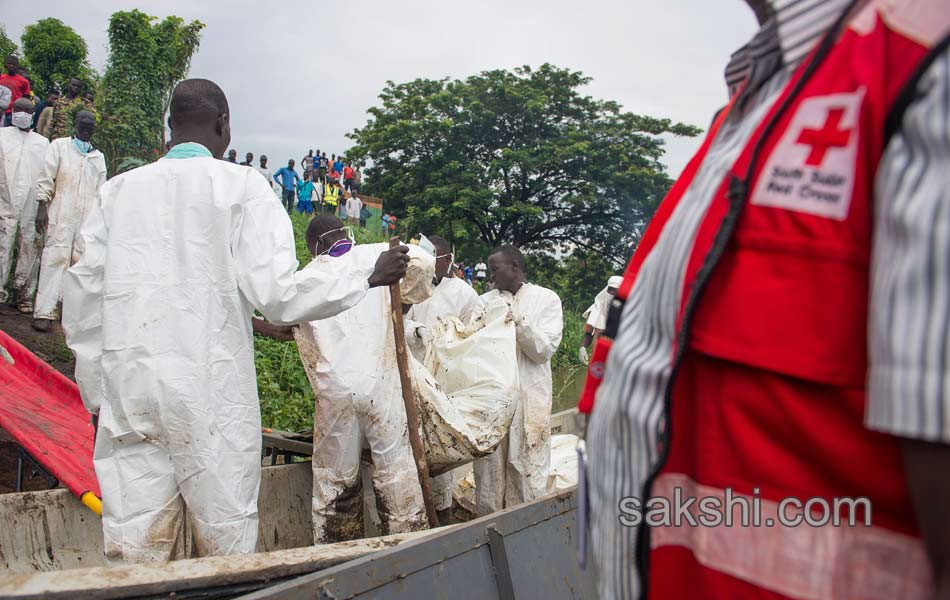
328, 185
52, 116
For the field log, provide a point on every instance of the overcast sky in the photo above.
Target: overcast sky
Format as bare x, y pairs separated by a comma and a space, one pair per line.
300, 75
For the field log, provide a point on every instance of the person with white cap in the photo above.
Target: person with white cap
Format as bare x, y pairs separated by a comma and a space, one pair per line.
596, 316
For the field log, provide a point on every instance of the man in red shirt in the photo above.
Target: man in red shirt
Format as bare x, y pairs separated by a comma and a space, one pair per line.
18, 84
348, 177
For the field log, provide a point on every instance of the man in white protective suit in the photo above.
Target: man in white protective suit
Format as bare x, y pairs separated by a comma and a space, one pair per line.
451, 297
596, 316
22, 153
517, 472
351, 362
158, 311
65, 194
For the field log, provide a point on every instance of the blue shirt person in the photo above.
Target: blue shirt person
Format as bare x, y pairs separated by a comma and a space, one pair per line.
287, 177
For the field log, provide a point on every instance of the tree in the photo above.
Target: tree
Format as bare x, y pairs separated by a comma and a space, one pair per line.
516, 156
147, 58
54, 53
7, 46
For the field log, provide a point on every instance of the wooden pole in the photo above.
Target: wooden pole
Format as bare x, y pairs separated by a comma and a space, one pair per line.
408, 399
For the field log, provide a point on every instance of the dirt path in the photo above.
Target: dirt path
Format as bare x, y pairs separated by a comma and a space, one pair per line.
50, 347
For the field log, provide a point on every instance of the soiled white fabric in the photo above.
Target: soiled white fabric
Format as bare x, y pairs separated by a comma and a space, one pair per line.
517, 472
22, 156
351, 363
468, 387
451, 298
69, 184
158, 310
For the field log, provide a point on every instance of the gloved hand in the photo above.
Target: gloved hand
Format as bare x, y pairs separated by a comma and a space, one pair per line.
424, 335
42, 218
582, 354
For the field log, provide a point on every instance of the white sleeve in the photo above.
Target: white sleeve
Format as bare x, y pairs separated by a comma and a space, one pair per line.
46, 183
82, 308
539, 337
909, 312
267, 264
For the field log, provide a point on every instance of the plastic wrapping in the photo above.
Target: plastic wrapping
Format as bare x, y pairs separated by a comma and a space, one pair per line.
468, 387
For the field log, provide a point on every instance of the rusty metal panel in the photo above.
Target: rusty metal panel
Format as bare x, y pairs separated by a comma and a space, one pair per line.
458, 563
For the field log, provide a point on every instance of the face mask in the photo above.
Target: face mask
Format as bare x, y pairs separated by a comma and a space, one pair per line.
82, 146
23, 120
339, 248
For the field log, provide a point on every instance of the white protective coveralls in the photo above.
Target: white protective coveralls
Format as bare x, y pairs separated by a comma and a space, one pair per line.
351, 362
158, 312
353, 206
69, 184
518, 473
22, 156
452, 297
596, 313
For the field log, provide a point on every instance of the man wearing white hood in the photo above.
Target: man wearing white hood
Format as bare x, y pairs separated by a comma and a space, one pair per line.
596, 316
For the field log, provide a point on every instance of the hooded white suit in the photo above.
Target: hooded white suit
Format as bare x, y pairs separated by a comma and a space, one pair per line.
69, 184
351, 362
158, 310
518, 473
22, 156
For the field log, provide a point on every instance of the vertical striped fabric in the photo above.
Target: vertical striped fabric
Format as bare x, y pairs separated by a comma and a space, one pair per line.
909, 328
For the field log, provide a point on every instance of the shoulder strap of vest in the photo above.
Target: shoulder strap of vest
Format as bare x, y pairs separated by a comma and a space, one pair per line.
908, 93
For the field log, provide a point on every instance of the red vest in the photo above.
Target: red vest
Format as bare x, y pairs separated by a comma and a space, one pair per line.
767, 393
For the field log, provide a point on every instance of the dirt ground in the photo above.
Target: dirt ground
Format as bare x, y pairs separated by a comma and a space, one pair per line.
50, 347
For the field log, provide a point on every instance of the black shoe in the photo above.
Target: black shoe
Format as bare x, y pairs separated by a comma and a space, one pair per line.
41, 325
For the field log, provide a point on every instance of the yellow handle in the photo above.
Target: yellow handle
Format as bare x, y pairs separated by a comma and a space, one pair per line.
92, 501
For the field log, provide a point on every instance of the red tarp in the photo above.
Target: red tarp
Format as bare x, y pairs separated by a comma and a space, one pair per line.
43, 412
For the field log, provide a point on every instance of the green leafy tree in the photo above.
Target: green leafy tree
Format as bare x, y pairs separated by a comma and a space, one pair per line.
54, 53
516, 157
7, 46
147, 58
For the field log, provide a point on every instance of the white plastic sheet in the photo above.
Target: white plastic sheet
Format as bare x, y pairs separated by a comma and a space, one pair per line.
468, 387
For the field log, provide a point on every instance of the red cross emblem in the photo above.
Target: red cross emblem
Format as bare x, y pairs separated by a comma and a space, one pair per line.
821, 140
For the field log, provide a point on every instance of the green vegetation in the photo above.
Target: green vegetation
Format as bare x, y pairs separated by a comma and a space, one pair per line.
147, 59
53, 53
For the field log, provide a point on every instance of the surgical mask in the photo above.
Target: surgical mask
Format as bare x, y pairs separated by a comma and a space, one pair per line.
22, 119
339, 248
82, 146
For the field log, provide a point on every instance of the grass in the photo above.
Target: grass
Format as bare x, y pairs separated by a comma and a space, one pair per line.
285, 392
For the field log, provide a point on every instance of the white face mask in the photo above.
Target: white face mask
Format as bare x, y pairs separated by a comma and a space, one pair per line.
23, 120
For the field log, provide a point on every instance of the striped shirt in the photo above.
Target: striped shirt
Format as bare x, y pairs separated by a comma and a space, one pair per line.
908, 332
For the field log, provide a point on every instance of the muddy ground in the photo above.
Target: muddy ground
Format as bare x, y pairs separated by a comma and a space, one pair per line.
50, 347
